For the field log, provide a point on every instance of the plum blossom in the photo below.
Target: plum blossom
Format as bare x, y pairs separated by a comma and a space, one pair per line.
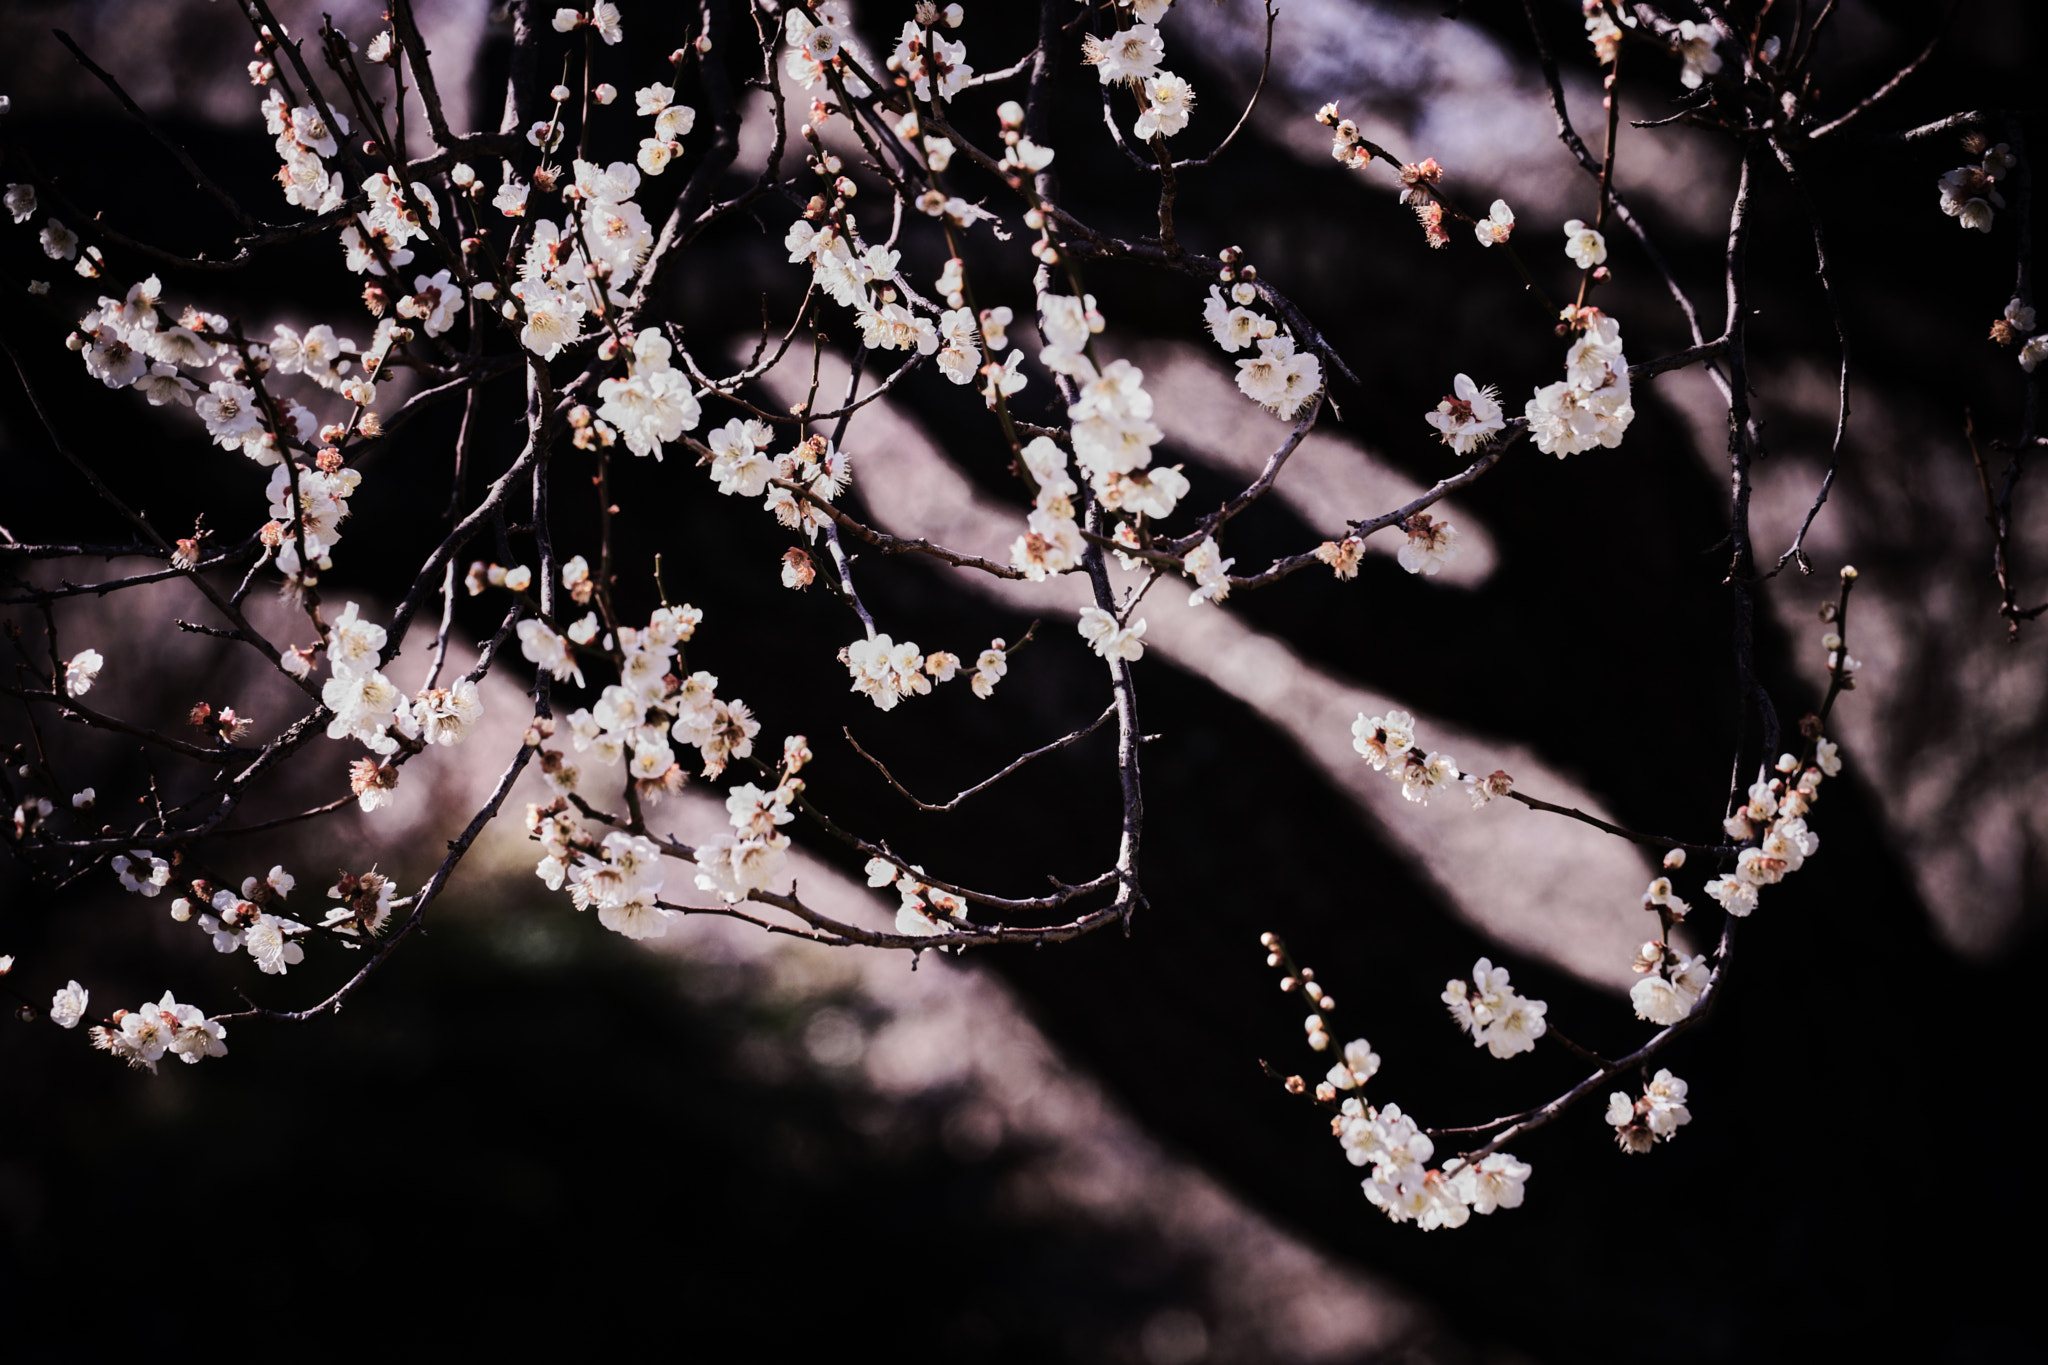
1586, 246
83, 671
1696, 49
1279, 378
1496, 226
1430, 544
67, 1007
1487, 1008
1132, 55
1468, 417
1108, 639
1169, 102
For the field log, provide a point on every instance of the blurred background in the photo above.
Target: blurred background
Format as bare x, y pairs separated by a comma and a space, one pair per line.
528, 1133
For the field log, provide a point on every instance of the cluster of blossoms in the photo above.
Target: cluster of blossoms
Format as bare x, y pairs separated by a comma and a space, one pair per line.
1404, 1187
369, 707
648, 408
1642, 1123
672, 123
1278, 377
142, 1036
1402, 1184
1388, 743
651, 704
735, 865
304, 140
584, 264
1970, 193
621, 877
246, 920
1590, 406
1771, 827
1488, 1009
1132, 56
885, 672
923, 909
127, 343
1110, 640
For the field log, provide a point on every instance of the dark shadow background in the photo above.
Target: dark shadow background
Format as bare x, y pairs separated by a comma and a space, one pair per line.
560, 1149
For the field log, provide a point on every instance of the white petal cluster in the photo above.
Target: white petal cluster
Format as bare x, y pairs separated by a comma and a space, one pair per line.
141, 872
239, 922
1585, 245
1591, 405
126, 343
747, 860
1112, 432
1210, 570
989, 669
67, 1006
636, 717
1641, 1124
1488, 1009
1497, 226
622, 880
433, 303
1051, 543
1359, 1065
884, 671
1696, 50
922, 910
321, 508
1970, 193
447, 714
653, 405
912, 61
83, 671
1388, 743
1669, 993
1469, 417
1430, 545
1279, 378
366, 903
1169, 103
1231, 323
141, 1037
304, 141
399, 212
1108, 639
1402, 1185
1132, 54
1772, 822
367, 706
672, 123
